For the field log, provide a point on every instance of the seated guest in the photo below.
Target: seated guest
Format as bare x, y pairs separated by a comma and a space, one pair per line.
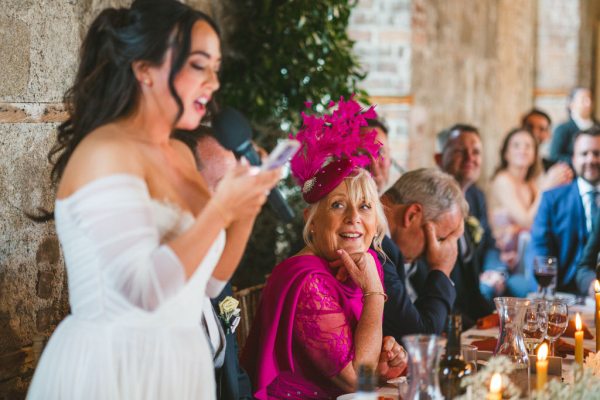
587, 268
538, 123
514, 194
580, 118
554, 173
461, 156
320, 315
425, 210
213, 161
564, 218
380, 167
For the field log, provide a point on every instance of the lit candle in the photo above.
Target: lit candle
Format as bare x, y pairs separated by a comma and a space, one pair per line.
597, 314
578, 341
541, 366
495, 388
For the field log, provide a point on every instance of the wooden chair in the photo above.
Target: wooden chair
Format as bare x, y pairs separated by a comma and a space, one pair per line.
249, 299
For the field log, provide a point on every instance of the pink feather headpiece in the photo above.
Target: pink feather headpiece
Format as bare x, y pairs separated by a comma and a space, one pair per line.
332, 147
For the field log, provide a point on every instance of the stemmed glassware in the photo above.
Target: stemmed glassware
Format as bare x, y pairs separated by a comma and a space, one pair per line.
558, 319
535, 325
544, 270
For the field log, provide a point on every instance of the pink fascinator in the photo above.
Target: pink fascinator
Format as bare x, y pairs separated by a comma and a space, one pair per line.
332, 146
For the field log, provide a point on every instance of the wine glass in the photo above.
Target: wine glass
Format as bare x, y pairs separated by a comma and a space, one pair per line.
558, 319
544, 270
535, 325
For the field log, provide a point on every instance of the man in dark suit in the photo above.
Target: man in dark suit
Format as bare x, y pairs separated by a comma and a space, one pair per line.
479, 274
232, 381
425, 210
565, 215
213, 161
580, 118
587, 268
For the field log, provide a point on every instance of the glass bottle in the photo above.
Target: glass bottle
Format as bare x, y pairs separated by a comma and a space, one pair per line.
452, 367
424, 354
366, 385
511, 311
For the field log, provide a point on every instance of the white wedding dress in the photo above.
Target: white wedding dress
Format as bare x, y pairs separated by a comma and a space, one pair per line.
134, 331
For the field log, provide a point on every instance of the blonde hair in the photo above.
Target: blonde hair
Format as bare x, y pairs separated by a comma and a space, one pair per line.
361, 186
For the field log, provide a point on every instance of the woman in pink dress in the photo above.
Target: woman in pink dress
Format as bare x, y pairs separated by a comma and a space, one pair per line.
320, 315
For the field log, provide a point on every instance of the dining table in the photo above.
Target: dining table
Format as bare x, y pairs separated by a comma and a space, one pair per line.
584, 306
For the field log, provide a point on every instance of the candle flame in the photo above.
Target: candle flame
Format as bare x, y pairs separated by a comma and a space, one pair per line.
597, 286
496, 383
578, 322
542, 352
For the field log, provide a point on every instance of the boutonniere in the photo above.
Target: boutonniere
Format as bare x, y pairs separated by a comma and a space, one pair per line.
475, 229
229, 313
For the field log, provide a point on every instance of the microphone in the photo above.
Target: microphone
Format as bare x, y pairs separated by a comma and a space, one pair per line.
234, 133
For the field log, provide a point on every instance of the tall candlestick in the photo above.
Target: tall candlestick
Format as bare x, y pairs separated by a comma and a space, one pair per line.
597, 313
541, 366
495, 388
578, 341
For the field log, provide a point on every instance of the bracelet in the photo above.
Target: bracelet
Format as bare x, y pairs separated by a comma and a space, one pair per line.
366, 294
222, 212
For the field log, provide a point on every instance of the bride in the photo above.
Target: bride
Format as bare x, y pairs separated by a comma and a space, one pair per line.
144, 241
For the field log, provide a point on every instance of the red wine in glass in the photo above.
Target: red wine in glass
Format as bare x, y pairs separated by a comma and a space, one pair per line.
544, 270
544, 279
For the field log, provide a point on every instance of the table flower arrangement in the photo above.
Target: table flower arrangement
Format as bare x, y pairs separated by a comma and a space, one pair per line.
585, 386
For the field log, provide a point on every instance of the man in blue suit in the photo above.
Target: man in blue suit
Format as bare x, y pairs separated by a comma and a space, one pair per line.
565, 217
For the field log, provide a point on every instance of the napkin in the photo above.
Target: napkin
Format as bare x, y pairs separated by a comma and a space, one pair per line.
570, 332
489, 321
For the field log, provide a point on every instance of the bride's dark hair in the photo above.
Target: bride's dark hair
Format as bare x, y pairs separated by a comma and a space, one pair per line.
105, 87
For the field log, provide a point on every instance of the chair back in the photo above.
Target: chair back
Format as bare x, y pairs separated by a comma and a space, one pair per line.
249, 299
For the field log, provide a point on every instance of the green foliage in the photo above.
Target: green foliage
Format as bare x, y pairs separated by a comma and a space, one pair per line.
283, 53
278, 54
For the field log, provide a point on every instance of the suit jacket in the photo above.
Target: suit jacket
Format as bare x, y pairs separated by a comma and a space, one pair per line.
561, 147
487, 253
428, 314
232, 381
470, 303
586, 268
559, 230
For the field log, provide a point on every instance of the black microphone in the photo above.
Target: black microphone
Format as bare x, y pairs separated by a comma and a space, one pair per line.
234, 133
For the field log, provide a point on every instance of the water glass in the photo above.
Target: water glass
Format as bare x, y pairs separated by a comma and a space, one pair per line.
535, 324
558, 320
469, 355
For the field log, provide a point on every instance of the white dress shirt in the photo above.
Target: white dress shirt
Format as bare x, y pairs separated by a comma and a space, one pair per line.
584, 189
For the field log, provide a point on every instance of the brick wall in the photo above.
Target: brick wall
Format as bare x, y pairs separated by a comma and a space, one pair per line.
382, 30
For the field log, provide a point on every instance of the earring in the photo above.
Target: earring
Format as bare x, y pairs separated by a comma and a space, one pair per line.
148, 82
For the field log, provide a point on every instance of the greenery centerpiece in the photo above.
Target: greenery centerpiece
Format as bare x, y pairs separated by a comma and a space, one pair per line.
279, 54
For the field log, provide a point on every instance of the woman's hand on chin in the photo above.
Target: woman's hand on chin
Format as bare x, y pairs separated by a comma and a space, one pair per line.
360, 267
392, 360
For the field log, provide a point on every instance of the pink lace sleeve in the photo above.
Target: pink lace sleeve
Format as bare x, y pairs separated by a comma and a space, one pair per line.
322, 328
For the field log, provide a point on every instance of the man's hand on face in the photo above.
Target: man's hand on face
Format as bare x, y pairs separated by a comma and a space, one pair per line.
441, 253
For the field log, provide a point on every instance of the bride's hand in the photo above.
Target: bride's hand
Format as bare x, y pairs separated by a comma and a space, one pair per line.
392, 360
243, 190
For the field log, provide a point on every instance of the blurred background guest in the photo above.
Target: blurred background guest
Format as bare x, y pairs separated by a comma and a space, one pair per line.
461, 156
565, 216
580, 118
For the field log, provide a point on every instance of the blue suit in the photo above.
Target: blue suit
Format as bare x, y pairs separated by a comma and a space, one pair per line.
559, 230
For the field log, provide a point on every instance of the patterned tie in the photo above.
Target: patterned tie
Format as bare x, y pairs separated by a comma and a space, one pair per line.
593, 205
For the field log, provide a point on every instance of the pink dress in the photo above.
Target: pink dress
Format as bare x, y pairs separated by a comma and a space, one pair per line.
302, 334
